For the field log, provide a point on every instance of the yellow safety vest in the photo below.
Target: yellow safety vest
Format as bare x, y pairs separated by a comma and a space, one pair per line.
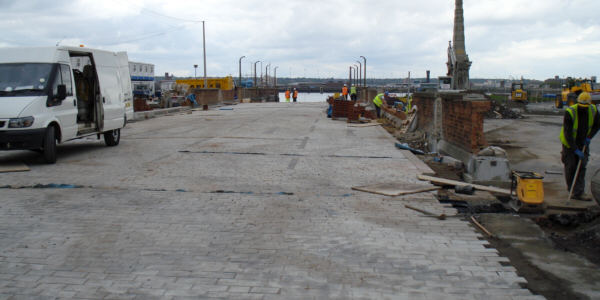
352, 90
377, 100
592, 114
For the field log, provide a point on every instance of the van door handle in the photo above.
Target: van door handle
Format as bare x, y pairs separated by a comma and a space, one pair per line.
74, 102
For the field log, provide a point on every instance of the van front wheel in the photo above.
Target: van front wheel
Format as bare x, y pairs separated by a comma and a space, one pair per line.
112, 138
49, 150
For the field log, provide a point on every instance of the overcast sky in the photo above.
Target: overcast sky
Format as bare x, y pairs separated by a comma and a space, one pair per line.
510, 38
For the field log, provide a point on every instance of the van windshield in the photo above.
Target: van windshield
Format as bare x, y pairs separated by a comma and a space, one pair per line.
24, 79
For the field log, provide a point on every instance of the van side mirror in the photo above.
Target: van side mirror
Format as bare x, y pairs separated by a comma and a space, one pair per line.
61, 92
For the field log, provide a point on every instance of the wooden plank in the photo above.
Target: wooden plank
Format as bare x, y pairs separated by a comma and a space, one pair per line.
567, 208
13, 167
364, 125
395, 188
444, 181
481, 227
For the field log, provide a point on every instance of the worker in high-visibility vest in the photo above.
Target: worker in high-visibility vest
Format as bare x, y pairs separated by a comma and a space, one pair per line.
287, 95
353, 92
378, 101
345, 92
295, 94
580, 124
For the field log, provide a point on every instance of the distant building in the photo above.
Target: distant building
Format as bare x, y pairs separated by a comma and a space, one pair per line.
142, 79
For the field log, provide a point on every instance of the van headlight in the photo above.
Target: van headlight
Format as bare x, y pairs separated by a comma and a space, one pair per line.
20, 122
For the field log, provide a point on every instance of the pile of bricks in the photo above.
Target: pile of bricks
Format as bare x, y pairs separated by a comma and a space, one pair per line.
394, 112
355, 112
139, 104
359, 110
342, 108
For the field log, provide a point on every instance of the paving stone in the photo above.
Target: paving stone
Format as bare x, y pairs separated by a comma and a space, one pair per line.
230, 219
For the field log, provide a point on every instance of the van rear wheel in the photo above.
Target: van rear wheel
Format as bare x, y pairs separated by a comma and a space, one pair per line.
49, 150
112, 137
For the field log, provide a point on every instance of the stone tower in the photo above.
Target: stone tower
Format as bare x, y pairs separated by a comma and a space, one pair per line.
458, 60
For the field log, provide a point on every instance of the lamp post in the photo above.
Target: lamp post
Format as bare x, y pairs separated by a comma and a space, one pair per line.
356, 74
261, 74
241, 69
255, 72
359, 71
267, 74
195, 67
204, 50
349, 74
365, 71
275, 76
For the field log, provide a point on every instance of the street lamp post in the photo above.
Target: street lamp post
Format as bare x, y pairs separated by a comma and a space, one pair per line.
356, 74
241, 70
349, 74
261, 74
359, 71
195, 67
204, 50
267, 74
255, 72
365, 71
275, 76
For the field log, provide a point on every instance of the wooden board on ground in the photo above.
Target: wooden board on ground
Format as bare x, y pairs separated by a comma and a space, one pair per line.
395, 188
567, 208
364, 125
444, 181
13, 167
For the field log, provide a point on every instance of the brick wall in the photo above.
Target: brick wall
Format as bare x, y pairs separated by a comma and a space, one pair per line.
425, 103
462, 118
463, 123
208, 96
228, 95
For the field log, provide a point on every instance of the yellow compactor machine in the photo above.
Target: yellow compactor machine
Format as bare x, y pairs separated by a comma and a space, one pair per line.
527, 190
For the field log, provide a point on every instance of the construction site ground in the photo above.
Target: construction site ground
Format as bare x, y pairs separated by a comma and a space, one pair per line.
254, 202
557, 252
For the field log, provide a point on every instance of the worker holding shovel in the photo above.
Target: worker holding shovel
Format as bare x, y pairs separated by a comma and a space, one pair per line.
580, 124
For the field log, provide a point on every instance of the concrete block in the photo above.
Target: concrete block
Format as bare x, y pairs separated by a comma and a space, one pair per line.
489, 170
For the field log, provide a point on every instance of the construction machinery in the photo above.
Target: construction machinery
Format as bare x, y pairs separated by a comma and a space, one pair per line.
573, 87
527, 192
518, 93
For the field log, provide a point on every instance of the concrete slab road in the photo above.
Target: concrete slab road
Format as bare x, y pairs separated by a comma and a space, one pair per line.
252, 203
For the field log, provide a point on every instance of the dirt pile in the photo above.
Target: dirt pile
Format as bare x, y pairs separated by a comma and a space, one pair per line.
503, 111
416, 140
579, 232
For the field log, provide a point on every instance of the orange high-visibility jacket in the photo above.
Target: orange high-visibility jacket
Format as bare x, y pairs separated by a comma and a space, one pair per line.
345, 91
287, 94
296, 94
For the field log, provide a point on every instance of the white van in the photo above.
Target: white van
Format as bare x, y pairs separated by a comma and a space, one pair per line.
126, 84
55, 94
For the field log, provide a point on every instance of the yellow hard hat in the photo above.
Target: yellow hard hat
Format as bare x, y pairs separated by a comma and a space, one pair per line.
584, 98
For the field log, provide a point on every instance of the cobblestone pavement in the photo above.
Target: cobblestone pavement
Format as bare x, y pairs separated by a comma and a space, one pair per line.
253, 203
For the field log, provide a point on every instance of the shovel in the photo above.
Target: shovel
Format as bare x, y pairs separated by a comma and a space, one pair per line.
576, 175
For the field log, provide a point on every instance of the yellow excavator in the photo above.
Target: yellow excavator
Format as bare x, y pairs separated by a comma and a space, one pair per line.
518, 93
572, 88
